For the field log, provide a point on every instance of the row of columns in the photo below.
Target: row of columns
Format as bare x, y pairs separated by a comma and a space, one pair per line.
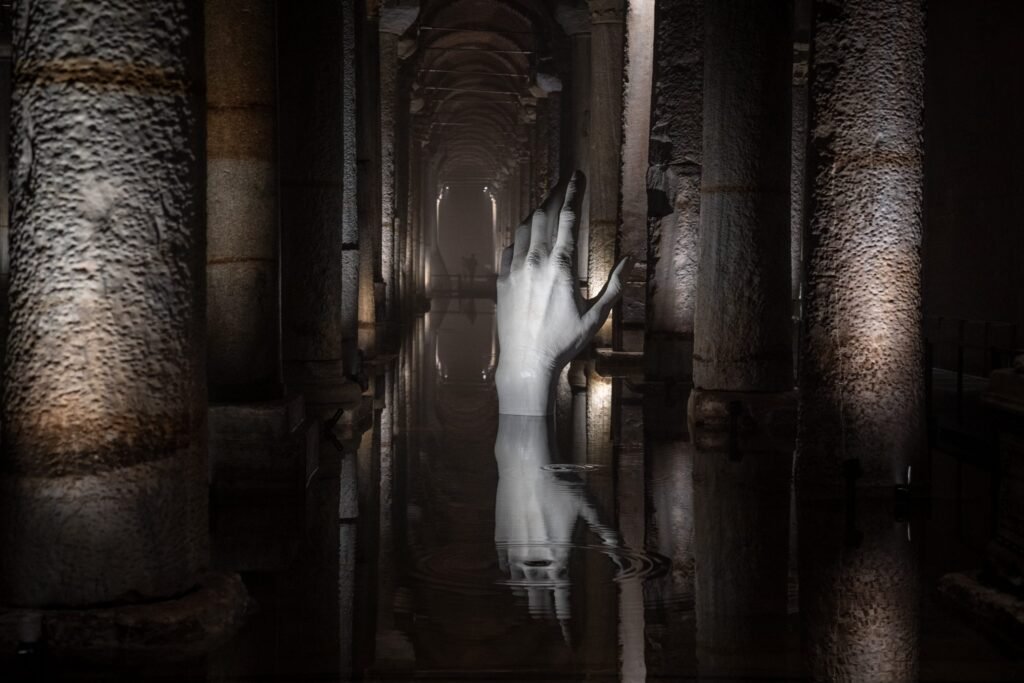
126, 305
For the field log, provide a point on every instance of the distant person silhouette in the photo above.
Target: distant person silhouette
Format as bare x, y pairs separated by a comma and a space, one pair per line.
469, 264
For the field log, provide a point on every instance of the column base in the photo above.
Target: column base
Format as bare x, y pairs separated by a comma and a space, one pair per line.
263, 457
325, 386
736, 422
181, 628
260, 445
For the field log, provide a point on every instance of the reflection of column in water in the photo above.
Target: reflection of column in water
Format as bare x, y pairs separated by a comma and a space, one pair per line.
365, 605
385, 549
631, 497
670, 532
741, 525
859, 592
600, 620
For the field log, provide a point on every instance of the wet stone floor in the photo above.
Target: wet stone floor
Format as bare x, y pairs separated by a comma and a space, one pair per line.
487, 549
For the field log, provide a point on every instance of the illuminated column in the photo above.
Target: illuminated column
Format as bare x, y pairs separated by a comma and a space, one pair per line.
861, 381
312, 143
861, 392
368, 171
741, 410
395, 17
673, 190
103, 486
636, 130
243, 305
859, 592
606, 71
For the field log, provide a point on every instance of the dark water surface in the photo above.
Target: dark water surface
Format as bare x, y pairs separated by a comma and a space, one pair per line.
512, 550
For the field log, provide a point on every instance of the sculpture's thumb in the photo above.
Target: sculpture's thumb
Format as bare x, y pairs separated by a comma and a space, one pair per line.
610, 293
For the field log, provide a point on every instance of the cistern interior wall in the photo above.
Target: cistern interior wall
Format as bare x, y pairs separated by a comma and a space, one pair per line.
638, 339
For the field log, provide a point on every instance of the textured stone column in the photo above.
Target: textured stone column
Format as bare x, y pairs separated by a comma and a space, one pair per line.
5, 155
388, 75
861, 381
861, 393
368, 171
673, 190
244, 352
859, 591
395, 17
102, 483
741, 409
312, 198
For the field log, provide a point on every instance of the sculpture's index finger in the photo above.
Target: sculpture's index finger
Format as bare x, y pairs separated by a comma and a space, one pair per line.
568, 217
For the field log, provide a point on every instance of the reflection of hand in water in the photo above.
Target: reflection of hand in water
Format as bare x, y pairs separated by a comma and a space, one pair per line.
536, 511
542, 321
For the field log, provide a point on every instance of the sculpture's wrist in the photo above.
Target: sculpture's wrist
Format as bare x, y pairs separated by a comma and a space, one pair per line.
525, 389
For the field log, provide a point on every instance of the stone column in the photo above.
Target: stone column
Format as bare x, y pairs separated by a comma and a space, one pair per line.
604, 174
861, 393
350, 253
673, 190
638, 74
368, 171
244, 351
606, 63
395, 17
5, 154
103, 481
861, 381
741, 410
576, 24
312, 145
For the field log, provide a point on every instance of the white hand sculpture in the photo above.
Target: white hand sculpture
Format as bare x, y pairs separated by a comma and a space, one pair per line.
536, 511
542, 321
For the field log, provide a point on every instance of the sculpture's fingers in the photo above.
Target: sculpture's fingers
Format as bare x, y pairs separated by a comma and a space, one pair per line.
602, 305
522, 245
539, 246
506, 262
568, 217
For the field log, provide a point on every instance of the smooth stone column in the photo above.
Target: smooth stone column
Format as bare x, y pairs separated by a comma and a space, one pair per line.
742, 409
312, 144
607, 27
242, 212
576, 24
103, 479
861, 384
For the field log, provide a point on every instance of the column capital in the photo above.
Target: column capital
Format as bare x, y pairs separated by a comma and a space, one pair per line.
396, 16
